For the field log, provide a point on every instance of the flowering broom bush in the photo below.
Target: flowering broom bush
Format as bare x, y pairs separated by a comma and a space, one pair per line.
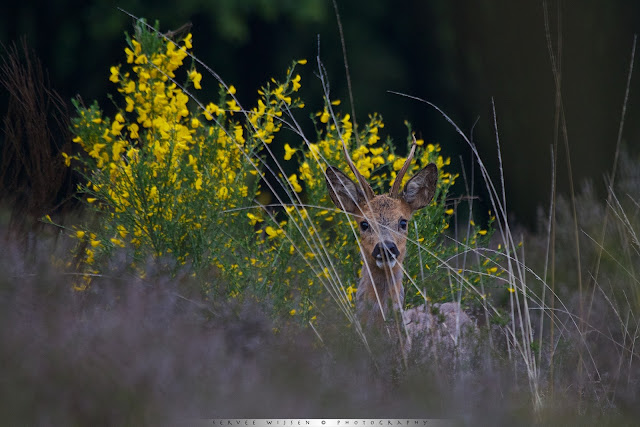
163, 177
172, 178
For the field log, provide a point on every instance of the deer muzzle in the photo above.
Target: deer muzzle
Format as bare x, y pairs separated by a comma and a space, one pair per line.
386, 254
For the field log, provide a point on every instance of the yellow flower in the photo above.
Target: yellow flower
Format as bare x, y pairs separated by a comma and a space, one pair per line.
296, 82
305, 173
67, 159
122, 231
253, 219
376, 151
449, 211
314, 150
238, 134
117, 242
116, 149
95, 152
292, 312
137, 47
116, 127
153, 193
288, 151
141, 59
130, 87
293, 179
133, 131
223, 192
397, 165
233, 106
130, 104
273, 233
80, 234
324, 117
373, 138
187, 41
115, 77
196, 77
129, 53
377, 160
212, 109
350, 291
279, 94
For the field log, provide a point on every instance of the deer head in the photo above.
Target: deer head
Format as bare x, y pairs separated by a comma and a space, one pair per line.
383, 224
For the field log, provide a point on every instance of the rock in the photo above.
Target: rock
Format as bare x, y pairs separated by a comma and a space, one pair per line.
438, 327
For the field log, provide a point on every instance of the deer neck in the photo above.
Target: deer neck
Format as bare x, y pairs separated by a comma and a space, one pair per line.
387, 284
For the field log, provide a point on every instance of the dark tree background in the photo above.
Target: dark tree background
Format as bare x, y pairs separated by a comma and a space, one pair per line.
457, 54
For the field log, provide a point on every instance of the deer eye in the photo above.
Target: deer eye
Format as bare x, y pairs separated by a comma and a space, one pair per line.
364, 226
403, 224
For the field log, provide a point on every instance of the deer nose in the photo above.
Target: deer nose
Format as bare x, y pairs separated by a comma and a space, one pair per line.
385, 252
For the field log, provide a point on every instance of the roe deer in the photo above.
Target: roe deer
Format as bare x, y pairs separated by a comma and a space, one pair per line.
383, 222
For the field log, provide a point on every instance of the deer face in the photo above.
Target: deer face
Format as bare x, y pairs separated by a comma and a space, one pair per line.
383, 220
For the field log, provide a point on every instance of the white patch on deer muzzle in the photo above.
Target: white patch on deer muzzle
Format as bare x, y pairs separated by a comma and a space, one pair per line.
381, 263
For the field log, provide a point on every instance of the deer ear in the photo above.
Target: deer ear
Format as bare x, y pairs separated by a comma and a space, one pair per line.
421, 188
343, 191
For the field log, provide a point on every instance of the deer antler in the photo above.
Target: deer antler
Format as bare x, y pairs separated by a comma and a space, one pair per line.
398, 182
366, 188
